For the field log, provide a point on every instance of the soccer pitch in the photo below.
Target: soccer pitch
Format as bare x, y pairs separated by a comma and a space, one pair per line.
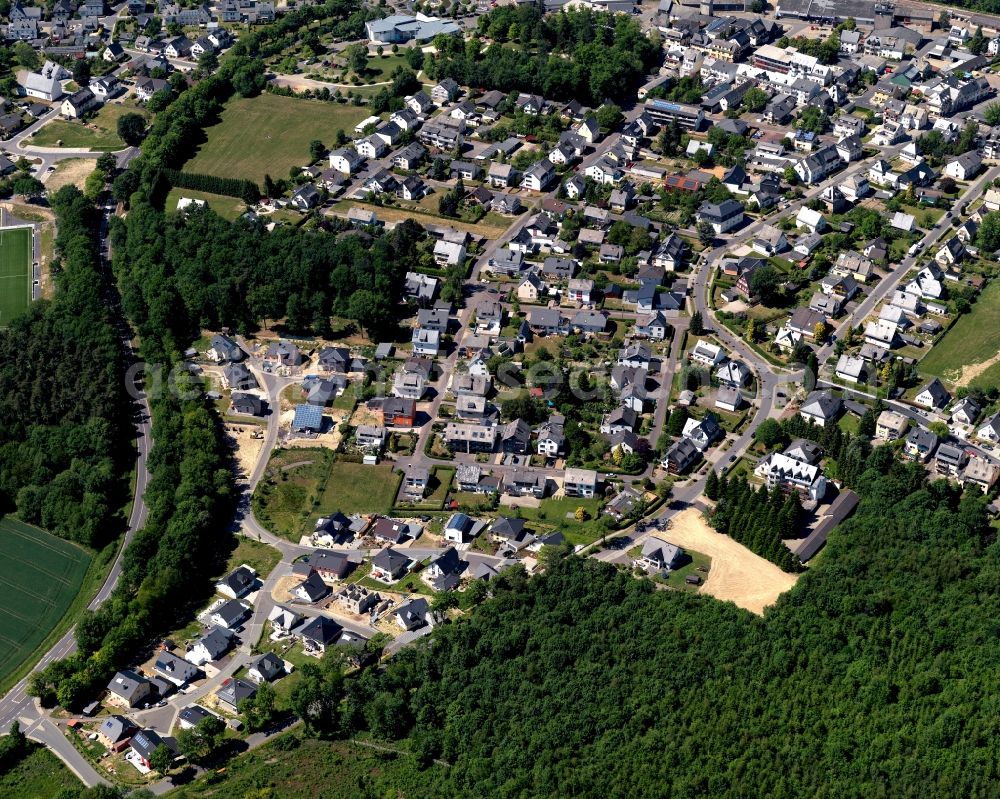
16, 258
40, 576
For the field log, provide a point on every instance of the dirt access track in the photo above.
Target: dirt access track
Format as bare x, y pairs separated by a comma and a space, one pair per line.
737, 574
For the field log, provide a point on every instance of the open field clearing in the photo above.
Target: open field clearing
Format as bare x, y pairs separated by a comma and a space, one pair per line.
967, 354
268, 135
98, 134
737, 575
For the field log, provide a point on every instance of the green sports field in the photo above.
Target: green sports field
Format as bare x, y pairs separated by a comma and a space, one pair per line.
16, 256
40, 575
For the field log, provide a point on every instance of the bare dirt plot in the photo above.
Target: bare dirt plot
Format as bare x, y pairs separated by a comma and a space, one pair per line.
73, 171
737, 574
247, 446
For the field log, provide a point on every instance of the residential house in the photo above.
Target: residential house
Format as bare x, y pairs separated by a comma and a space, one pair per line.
891, 426
934, 395
233, 691
580, 483
266, 668
707, 354
529, 288
728, 398
224, 350
964, 167
810, 220
170, 667
318, 634
659, 555
722, 217
115, 733
346, 160
979, 473
652, 326
413, 615
920, 444
144, 743
419, 103
283, 619
238, 583
966, 411
458, 528
445, 91
821, 408
702, 432
681, 456
551, 441
443, 572
388, 565
515, 437
211, 646
539, 175
950, 459
990, 430
311, 589
230, 615
851, 369
128, 689
780, 470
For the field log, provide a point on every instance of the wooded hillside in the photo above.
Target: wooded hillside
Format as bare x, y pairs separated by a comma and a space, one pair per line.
876, 676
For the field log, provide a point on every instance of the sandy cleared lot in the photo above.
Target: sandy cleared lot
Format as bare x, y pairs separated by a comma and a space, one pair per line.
247, 447
71, 171
737, 574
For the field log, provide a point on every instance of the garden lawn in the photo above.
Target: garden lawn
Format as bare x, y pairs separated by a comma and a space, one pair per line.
260, 557
381, 67
100, 133
16, 257
678, 577
969, 353
227, 207
41, 576
269, 134
557, 514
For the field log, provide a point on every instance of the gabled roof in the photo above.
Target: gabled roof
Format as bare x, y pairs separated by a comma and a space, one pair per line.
322, 630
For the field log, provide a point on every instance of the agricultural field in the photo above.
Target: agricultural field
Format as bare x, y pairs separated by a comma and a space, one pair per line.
41, 575
969, 353
303, 484
269, 134
16, 257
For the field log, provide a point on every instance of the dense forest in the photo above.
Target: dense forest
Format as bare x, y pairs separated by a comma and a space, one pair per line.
201, 271
565, 56
62, 398
189, 496
875, 676
757, 518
